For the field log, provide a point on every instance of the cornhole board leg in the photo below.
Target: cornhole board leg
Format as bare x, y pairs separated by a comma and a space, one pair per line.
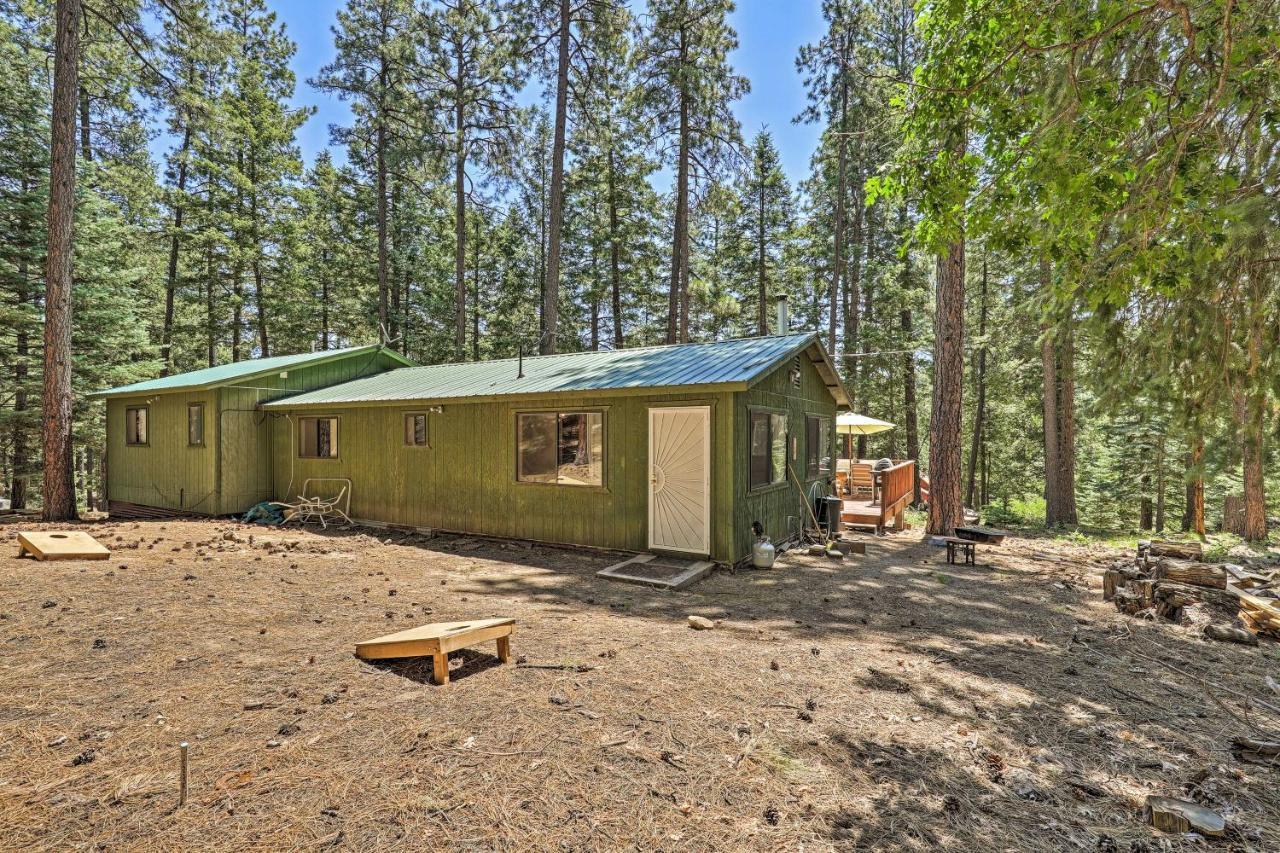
440, 667
438, 640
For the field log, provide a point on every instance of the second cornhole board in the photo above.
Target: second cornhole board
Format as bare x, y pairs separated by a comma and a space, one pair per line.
61, 545
437, 640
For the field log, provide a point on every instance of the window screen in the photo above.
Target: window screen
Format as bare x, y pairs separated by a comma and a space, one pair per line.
560, 447
318, 438
415, 429
817, 443
135, 425
195, 424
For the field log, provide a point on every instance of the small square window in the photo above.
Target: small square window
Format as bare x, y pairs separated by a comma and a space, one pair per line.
195, 424
135, 425
318, 438
415, 429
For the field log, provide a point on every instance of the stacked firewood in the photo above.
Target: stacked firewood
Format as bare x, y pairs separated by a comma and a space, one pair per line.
1165, 577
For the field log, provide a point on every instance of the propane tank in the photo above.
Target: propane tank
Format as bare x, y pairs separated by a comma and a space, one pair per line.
763, 552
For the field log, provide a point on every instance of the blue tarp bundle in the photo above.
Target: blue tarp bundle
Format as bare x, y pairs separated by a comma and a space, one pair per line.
265, 513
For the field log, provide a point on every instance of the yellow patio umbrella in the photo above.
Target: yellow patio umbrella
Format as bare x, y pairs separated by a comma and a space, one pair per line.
851, 423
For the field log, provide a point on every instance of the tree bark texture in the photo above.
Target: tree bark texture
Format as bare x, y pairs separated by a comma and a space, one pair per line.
59, 488
1057, 352
946, 509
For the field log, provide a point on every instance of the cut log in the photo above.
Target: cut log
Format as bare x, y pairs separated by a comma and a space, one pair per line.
1111, 579
1196, 574
1256, 751
1184, 550
1182, 594
1228, 634
1170, 815
1127, 602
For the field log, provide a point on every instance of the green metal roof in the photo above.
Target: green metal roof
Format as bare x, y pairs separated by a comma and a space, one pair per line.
732, 362
239, 371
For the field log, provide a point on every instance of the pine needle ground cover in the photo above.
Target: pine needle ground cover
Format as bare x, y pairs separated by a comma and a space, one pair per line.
885, 702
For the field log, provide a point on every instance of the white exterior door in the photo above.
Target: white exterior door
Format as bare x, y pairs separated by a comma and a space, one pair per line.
680, 479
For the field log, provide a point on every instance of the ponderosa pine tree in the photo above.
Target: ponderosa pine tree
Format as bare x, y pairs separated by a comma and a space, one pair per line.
256, 164
57, 400
373, 70
766, 219
24, 136
467, 76
609, 152
687, 85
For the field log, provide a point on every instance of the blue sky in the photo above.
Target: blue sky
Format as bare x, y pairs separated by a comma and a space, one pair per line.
769, 34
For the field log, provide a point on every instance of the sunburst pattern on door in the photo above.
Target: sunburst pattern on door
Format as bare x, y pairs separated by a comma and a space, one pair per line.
679, 499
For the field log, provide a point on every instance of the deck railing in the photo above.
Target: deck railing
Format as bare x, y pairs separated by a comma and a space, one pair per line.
897, 484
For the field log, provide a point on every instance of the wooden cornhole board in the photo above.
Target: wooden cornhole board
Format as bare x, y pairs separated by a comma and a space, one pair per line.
61, 545
438, 640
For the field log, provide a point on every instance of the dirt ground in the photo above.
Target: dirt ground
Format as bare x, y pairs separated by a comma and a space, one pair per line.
887, 702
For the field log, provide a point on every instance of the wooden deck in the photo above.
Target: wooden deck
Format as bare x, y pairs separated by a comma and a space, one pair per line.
896, 486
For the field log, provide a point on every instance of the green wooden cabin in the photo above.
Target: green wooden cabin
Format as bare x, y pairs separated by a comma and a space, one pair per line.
671, 449
199, 441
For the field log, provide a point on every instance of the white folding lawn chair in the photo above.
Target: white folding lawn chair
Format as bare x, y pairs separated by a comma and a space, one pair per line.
318, 509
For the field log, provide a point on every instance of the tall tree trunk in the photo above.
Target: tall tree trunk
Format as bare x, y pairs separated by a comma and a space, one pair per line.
406, 312
946, 509
171, 275
1067, 514
1193, 514
459, 215
59, 491
324, 309
551, 287
1250, 408
210, 319
837, 262
90, 502
259, 281
475, 294
22, 350
1160, 484
677, 329
394, 312
1049, 365
86, 145
380, 157
1144, 506
907, 324
853, 299
615, 257
1250, 399
762, 275
980, 383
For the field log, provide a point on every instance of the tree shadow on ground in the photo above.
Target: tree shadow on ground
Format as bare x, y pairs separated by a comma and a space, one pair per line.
1002, 707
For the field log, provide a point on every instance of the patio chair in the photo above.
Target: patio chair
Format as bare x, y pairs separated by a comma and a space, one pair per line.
861, 482
318, 509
